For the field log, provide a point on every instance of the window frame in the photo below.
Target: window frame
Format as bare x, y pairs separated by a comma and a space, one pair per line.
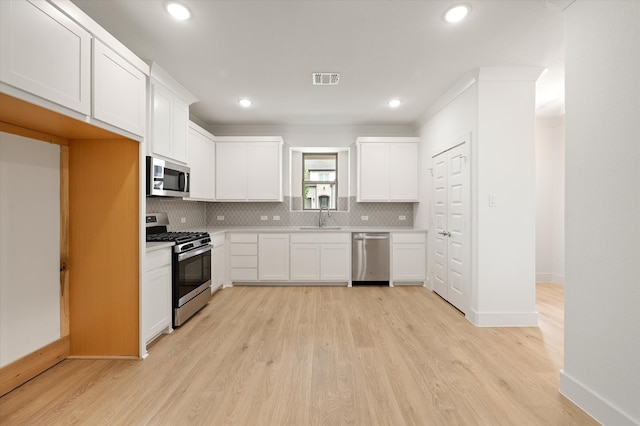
324, 182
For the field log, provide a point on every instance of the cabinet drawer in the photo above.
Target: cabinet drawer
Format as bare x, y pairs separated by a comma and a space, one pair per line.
244, 274
409, 238
321, 238
156, 259
244, 249
244, 261
243, 238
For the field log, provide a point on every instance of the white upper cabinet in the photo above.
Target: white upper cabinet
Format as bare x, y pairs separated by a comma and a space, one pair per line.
119, 91
46, 58
201, 156
45, 53
231, 176
387, 169
169, 126
249, 168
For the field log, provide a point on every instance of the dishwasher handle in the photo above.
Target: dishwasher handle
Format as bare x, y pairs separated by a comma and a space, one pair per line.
363, 236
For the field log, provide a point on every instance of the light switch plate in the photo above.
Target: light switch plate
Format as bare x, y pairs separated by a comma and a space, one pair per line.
220, 218
492, 200
364, 217
183, 220
402, 217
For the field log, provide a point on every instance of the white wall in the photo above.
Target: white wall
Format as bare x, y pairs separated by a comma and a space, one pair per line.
602, 290
505, 234
29, 246
550, 200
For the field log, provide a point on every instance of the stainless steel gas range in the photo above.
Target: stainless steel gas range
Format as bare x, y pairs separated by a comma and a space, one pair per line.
191, 266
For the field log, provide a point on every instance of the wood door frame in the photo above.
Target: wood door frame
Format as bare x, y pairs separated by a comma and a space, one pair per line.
24, 369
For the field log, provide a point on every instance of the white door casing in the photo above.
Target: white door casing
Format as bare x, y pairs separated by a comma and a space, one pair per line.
451, 230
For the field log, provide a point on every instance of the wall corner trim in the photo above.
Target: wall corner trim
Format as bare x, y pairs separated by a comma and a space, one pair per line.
458, 88
508, 73
503, 319
29, 366
599, 408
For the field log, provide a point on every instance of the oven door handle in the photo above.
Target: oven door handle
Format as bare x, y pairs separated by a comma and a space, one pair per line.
193, 253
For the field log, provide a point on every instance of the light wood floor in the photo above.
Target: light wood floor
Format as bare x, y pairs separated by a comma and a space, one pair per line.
318, 356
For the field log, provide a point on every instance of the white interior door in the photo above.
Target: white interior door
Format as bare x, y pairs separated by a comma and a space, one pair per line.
439, 197
451, 236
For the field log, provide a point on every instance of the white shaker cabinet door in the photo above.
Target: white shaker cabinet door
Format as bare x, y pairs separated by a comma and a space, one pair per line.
230, 171
264, 171
273, 257
403, 172
161, 120
45, 53
373, 172
335, 262
156, 301
201, 152
409, 262
305, 262
119, 91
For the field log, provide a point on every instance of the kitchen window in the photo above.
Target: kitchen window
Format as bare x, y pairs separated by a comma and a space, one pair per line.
319, 181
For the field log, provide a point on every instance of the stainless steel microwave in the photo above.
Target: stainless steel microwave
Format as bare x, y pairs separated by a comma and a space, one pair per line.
167, 179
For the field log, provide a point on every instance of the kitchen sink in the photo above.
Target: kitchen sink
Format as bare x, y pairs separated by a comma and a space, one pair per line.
318, 228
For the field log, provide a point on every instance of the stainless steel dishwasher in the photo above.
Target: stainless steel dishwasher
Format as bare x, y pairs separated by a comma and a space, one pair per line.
370, 258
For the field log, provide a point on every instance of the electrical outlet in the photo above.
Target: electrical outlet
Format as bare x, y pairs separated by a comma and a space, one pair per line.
220, 218
276, 218
402, 218
364, 217
183, 220
264, 217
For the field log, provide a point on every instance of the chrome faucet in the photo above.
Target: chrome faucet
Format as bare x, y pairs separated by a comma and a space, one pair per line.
321, 222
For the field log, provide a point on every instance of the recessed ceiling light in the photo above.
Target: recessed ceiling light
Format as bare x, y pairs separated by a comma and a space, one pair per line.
394, 103
456, 13
245, 103
178, 11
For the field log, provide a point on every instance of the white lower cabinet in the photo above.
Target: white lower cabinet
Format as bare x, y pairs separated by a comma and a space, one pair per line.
243, 257
305, 262
321, 257
408, 258
273, 257
217, 262
156, 294
335, 262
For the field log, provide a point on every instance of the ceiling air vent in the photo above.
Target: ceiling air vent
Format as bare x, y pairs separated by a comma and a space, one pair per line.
325, 78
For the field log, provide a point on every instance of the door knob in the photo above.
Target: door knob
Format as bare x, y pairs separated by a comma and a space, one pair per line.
445, 233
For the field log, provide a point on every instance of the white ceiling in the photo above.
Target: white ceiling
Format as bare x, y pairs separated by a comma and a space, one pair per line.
266, 50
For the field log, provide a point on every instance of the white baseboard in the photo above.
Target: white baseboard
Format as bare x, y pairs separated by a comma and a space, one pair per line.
592, 403
503, 319
550, 278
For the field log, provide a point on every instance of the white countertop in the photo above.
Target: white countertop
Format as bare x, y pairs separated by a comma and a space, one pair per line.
296, 229
153, 246
213, 230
